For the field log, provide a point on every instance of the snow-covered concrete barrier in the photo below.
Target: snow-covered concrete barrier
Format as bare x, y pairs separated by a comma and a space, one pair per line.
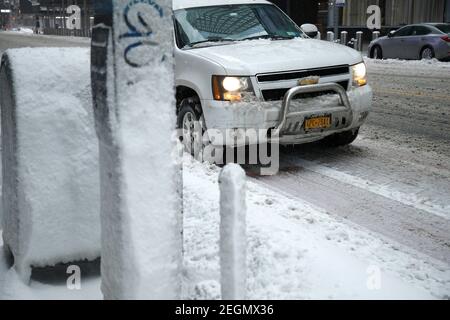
50, 158
134, 102
233, 239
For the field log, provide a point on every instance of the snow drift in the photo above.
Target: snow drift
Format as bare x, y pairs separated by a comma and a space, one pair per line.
50, 158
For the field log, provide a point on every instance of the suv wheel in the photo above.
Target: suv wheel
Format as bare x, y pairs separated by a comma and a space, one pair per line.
190, 121
341, 139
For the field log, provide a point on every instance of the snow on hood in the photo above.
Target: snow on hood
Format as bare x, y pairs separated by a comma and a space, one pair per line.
264, 56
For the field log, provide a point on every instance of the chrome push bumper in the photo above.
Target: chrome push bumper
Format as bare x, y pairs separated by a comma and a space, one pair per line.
292, 123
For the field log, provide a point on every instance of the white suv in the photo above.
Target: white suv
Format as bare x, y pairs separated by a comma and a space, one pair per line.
244, 64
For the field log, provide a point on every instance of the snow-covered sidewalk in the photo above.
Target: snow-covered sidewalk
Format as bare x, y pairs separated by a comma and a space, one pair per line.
295, 251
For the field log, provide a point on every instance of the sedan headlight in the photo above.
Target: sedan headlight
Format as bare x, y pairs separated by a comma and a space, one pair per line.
359, 74
232, 88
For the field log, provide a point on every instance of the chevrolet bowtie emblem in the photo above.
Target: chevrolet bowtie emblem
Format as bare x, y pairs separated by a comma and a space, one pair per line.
308, 81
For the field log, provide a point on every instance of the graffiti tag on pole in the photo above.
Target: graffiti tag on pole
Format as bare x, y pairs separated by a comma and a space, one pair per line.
139, 15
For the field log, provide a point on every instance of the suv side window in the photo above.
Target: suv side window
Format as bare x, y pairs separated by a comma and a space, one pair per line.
421, 31
404, 32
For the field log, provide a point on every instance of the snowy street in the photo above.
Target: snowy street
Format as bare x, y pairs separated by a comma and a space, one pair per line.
9, 40
382, 202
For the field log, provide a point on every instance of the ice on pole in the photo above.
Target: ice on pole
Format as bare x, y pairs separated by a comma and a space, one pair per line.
233, 239
134, 102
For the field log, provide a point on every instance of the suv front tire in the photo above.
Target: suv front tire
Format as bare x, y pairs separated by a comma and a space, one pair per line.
189, 120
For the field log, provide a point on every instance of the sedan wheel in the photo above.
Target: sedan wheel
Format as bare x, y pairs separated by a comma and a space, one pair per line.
376, 53
427, 54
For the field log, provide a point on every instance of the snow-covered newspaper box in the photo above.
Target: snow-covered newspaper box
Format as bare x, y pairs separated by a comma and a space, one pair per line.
50, 158
134, 102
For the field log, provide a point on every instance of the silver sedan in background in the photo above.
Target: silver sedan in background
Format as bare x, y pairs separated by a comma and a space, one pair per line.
418, 41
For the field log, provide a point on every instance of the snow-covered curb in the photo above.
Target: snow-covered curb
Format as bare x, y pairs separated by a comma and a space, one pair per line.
410, 68
412, 63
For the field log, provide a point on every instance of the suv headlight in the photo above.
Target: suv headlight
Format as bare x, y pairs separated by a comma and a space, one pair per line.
232, 88
359, 74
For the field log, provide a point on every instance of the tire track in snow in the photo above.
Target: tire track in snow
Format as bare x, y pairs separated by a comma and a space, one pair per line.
381, 190
416, 94
405, 224
385, 170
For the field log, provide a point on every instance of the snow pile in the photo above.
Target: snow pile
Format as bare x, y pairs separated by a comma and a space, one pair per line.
141, 181
23, 30
233, 240
411, 68
411, 63
296, 251
50, 159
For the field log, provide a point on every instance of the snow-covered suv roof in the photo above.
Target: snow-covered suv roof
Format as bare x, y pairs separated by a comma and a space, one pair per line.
184, 4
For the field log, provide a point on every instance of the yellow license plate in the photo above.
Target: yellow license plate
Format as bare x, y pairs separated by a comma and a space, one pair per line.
318, 123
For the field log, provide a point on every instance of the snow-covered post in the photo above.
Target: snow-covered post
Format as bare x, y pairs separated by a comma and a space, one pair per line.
359, 44
375, 35
330, 36
134, 100
233, 240
344, 37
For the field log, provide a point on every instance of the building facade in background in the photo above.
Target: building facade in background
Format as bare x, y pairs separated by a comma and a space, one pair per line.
54, 17
394, 13
51, 15
6, 13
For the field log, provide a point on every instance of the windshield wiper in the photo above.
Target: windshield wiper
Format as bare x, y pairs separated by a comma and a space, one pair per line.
209, 40
269, 36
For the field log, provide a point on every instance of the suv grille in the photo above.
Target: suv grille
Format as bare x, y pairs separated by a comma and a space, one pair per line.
322, 72
278, 94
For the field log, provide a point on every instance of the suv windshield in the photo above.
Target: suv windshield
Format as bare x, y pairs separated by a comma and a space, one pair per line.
206, 25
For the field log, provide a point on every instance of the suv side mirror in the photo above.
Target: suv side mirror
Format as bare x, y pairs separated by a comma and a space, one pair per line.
310, 30
391, 33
